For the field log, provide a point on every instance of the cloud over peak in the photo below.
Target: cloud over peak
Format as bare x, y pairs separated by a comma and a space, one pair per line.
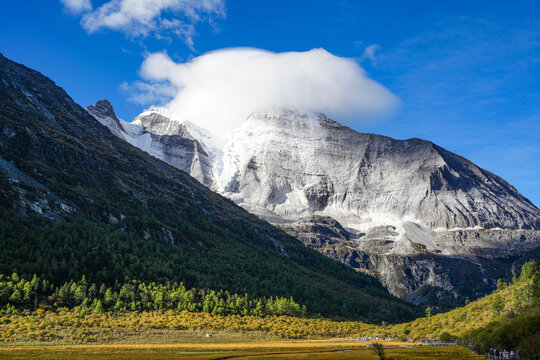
218, 90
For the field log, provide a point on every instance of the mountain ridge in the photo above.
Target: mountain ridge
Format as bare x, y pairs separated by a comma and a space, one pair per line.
405, 203
77, 200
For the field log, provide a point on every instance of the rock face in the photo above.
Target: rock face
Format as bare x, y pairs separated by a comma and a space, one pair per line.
103, 112
416, 272
300, 165
408, 211
158, 135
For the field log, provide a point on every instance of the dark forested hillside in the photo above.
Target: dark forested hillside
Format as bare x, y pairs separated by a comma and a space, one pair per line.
76, 200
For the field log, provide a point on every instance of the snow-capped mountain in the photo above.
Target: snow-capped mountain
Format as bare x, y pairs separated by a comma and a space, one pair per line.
158, 133
407, 210
301, 165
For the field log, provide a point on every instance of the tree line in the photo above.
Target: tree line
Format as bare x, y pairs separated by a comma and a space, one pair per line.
73, 247
19, 293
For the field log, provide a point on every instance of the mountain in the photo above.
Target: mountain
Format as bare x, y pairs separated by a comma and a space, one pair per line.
75, 199
312, 165
155, 133
431, 224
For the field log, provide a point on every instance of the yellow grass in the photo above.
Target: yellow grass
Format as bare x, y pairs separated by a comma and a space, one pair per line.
285, 344
299, 349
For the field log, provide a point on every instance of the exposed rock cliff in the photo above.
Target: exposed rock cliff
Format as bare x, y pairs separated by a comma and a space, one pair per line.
300, 165
158, 135
408, 211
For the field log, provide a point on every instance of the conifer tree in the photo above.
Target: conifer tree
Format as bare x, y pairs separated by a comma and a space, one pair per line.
99, 307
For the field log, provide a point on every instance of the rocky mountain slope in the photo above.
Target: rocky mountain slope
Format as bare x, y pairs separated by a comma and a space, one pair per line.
428, 222
77, 200
155, 133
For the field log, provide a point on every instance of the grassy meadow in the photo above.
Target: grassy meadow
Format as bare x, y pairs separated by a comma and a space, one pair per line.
512, 311
299, 349
83, 325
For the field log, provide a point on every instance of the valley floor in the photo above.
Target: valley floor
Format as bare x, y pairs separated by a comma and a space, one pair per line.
507, 319
298, 349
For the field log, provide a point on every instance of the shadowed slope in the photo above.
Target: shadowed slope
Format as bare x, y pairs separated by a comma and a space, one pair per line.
77, 200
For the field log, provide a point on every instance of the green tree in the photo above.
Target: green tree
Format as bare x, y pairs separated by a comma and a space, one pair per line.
118, 306
92, 291
446, 337
108, 298
79, 294
527, 271
99, 307
497, 306
102, 290
16, 297
378, 349
28, 291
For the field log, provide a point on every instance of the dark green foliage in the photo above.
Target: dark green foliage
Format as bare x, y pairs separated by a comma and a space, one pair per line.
75, 200
109, 255
446, 337
18, 293
513, 333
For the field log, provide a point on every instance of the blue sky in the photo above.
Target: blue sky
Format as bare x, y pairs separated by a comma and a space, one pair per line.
467, 72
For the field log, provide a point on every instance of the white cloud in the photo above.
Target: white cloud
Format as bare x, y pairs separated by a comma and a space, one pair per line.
139, 18
220, 89
143, 93
369, 53
77, 6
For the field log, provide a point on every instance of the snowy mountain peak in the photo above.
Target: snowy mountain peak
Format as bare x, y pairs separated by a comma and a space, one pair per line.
104, 113
385, 201
290, 165
103, 107
162, 111
158, 124
291, 119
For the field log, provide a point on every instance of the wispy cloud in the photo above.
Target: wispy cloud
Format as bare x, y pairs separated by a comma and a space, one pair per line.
140, 18
143, 93
77, 6
370, 53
